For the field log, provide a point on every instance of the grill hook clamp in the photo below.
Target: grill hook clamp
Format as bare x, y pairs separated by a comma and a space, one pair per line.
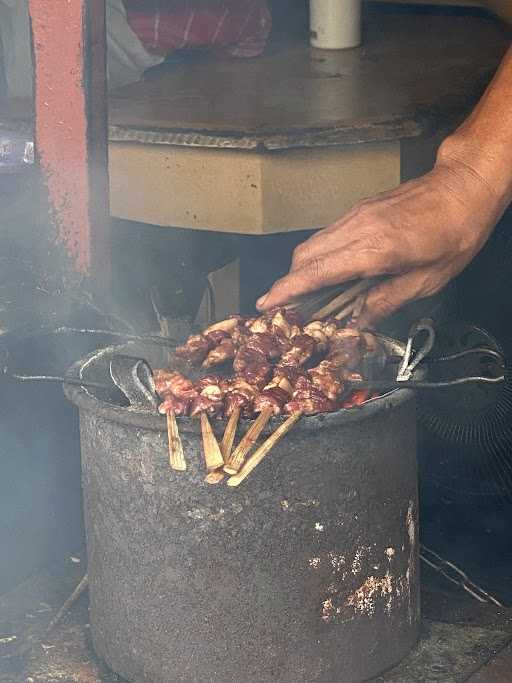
412, 358
134, 378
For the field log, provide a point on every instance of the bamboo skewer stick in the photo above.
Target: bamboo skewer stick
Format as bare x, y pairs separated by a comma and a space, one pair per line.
237, 458
214, 477
346, 312
263, 450
229, 434
212, 455
343, 299
176, 455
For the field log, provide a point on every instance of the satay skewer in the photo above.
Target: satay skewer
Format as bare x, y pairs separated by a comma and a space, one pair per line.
212, 455
263, 450
228, 439
214, 477
346, 297
346, 312
237, 457
176, 455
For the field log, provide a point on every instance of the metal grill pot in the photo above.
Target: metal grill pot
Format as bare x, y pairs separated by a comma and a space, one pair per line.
306, 572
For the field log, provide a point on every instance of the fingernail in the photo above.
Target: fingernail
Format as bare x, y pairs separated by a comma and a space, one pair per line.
261, 301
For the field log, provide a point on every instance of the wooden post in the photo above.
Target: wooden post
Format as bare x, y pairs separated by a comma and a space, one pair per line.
69, 47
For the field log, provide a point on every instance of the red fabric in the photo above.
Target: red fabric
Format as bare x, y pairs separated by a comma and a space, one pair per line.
240, 27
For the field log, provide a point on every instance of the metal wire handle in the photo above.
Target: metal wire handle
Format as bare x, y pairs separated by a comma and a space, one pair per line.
455, 575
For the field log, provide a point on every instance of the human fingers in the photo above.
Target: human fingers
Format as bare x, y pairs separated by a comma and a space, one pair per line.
336, 267
390, 295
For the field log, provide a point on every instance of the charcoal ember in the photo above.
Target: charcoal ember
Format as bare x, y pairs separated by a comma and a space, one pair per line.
303, 347
310, 401
274, 398
220, 354
195, 350
257, 374
178, 406
356, 398
167, 381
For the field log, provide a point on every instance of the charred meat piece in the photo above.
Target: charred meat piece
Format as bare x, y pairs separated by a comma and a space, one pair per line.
274, 398
204, 404
195, 350
245, 357
178, 406
310, 401
257, 374
240, 395
345, 348
216, 337
325, 378
175, 383
289, 373
302, 348
265, 343
228, 326
221, 353
259, 325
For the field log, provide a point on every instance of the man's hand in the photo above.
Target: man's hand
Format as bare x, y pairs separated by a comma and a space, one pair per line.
422, 234
426, 231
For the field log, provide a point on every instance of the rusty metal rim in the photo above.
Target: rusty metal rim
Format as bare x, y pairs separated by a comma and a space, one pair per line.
87, 401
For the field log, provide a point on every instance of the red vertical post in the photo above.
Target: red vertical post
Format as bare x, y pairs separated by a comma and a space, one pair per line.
69, 47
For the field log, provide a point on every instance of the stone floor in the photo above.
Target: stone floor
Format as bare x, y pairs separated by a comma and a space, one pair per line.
462, 639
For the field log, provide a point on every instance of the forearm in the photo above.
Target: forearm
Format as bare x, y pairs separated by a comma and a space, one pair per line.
483, 142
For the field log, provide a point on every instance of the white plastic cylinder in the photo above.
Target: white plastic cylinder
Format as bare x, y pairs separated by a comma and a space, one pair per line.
335, 24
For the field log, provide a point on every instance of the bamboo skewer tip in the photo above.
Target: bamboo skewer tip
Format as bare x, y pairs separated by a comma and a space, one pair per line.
212, 454
228, 439
214, 477
247, 442
176, 455
263, 450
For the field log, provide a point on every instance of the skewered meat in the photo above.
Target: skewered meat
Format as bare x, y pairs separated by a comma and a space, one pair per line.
221, 353
167, 382
325, 378
274, 398
240, 395
345, 348
195, 350
270, 355
310, 401
171, 403
205, 404
257, 374
303, 347
227, 326
265, 343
